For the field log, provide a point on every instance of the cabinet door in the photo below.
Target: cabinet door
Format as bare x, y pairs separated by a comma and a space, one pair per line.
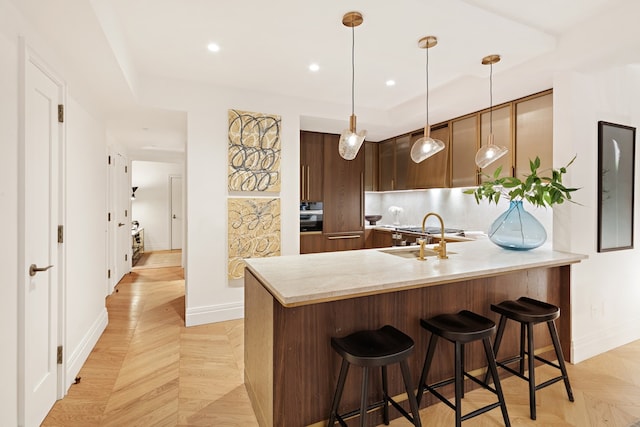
343, 190
311, 243
386, 165
502, 137
382, 239
311, 166
403, 158
464, 144
534, 133
344, 241
371, 166
434, 171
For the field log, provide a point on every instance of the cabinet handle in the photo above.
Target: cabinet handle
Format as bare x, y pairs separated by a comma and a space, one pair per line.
308, 182
302, 184
356, 236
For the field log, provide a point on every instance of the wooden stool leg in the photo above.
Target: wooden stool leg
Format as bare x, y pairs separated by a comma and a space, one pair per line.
563, 368
363, 397
496, 343
532, 376
385, 396
459, 384
413, 404
338, 394
462, 369
425, 368
522, 342
493, 369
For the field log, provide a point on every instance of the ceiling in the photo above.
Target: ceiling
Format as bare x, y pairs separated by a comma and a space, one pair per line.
110, 46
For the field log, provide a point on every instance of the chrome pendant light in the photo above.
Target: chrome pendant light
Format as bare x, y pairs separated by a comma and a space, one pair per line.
426, 146
490, 152
350, 139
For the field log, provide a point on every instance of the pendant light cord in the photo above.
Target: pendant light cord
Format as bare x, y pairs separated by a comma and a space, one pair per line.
426, 72
491, 99
353, 68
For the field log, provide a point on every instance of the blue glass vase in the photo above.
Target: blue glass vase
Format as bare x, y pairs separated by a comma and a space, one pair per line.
517, 229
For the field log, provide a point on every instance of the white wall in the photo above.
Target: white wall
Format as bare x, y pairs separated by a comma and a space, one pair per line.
86, 234
84, 222
152, 204
8, 217
606, 287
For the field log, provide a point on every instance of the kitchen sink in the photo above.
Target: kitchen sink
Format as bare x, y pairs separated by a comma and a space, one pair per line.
412, 252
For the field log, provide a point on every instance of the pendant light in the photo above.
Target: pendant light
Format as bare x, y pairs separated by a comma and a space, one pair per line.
426, 146
350, 139
490, 152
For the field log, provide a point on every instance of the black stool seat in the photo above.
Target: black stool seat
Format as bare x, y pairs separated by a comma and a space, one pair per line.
528, 312
462, 328
384, 346
377, 348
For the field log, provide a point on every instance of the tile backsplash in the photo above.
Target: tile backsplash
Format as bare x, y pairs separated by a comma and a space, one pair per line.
458, 210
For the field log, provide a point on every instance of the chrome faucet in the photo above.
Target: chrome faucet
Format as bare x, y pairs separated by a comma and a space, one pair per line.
441, 248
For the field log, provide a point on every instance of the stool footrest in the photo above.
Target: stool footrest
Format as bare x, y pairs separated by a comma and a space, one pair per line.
376, 405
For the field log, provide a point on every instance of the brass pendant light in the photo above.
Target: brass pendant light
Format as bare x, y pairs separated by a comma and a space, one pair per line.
490, 152
350, 139
426, 146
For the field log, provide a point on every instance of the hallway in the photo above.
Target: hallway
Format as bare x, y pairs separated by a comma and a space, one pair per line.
148, 369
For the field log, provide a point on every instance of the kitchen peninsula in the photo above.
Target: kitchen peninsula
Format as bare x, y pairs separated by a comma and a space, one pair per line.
295, 304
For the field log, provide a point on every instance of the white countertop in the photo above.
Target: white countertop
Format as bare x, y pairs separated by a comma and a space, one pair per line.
312, 278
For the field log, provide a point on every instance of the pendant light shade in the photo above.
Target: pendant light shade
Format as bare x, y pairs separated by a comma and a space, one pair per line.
426, 146
351, 140
490, 152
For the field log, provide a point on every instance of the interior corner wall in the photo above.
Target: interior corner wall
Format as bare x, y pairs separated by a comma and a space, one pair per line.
606, 286
151, 208
85, 235
8, 217
210, 296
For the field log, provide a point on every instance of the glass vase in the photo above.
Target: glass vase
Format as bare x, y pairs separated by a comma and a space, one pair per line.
517, 229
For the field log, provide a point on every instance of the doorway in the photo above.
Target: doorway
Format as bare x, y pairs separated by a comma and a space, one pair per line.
175, 199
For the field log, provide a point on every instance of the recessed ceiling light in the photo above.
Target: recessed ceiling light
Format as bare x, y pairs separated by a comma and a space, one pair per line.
213, 47
391, 83
314, 67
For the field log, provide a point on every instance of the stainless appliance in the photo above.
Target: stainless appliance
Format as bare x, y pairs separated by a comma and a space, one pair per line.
311, 216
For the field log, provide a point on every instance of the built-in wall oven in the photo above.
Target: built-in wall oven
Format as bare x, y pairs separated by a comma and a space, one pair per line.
311, 216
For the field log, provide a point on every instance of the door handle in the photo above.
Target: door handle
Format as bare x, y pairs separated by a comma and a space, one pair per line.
174, 216
33, 269
120, 224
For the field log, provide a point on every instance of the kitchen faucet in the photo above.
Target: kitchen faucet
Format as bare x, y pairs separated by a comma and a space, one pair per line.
441, 248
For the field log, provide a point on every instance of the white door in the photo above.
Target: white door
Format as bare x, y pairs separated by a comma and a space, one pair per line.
176, 212
122, 217
39, 310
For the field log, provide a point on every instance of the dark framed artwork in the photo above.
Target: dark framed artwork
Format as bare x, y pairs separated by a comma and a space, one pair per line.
616, 169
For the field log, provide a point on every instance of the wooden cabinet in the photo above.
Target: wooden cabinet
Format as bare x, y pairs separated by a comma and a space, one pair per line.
464, 143
382, 238
394, 158
371, 166
503, 137
311, 242
434, 171
343, 221
137, 245
311, 166
534, 133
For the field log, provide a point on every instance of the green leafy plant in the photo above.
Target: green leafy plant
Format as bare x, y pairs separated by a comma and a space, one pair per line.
537, 190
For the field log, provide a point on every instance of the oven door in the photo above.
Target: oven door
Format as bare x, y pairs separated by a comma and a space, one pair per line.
310, 221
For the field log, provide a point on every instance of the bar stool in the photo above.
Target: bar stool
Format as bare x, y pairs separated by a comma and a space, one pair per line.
529, 312
460, 329
369, 349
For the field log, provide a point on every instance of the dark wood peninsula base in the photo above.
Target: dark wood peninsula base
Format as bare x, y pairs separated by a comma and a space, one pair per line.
291, 370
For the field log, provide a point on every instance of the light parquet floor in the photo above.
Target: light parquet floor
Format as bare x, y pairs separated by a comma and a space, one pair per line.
158, 259
148, 369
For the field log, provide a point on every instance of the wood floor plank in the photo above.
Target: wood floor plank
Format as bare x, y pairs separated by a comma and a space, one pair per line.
148, 369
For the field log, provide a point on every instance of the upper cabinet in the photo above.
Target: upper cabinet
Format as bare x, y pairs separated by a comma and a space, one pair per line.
502, 136
534, 133
371, 150
464, 143
311, 166
434, 171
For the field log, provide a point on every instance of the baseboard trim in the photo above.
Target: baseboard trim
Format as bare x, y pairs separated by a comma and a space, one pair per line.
214, 313
81, 353
605, 339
